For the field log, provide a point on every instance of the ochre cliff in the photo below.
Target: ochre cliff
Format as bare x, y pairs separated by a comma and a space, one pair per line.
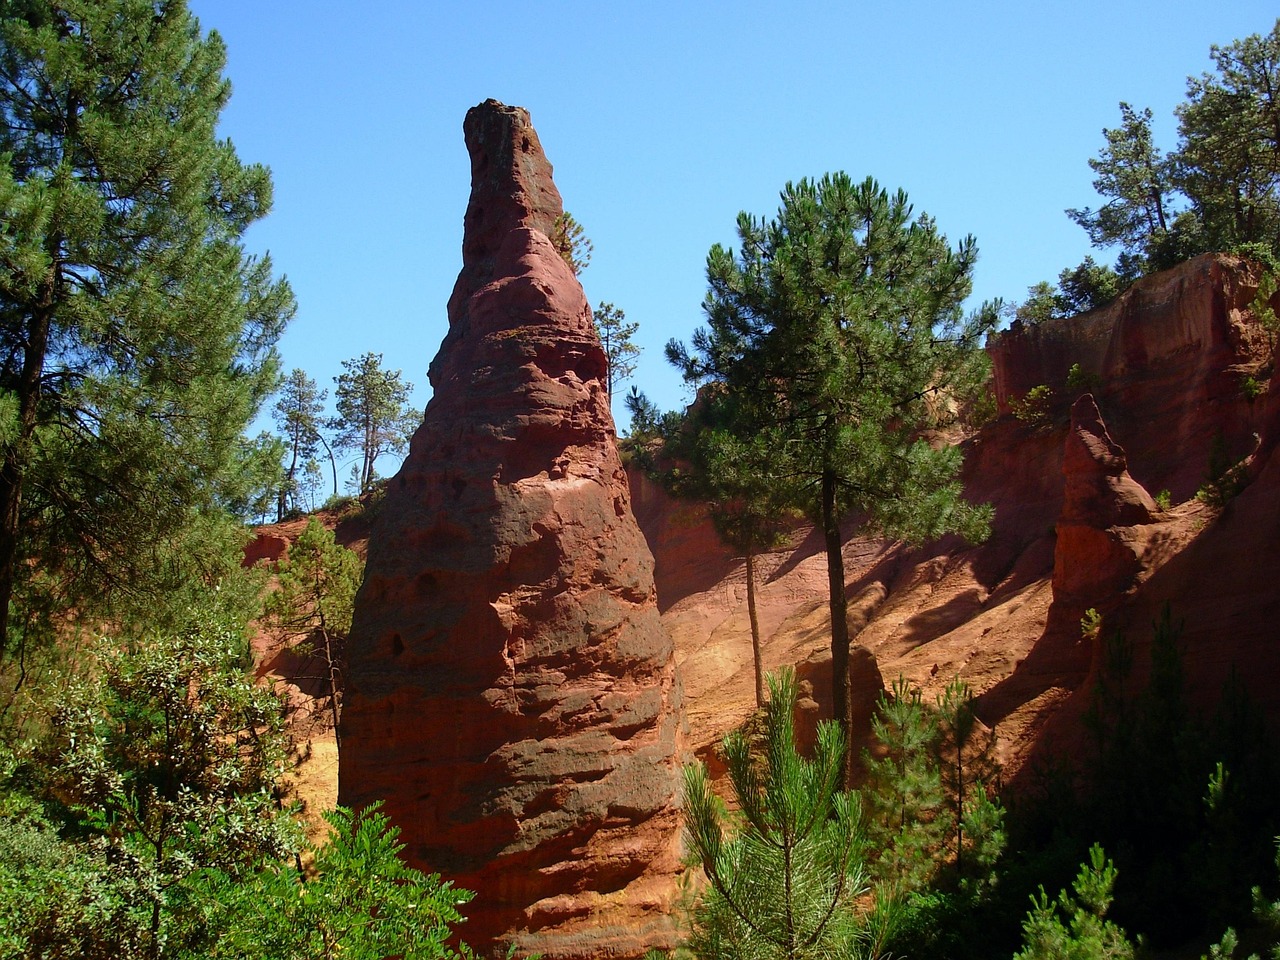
1076, 527
512, 694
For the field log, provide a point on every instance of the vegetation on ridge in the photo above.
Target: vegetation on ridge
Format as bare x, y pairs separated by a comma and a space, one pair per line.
1217, 190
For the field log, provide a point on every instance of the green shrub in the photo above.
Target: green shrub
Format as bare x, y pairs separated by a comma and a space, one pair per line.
1034, 408
338, 503
1074, 926
1078, 381
789, 880
1090, 623
1164, 500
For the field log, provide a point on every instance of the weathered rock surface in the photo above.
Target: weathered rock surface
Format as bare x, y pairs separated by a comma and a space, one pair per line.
983, 612
1168, 358
865, 686
1101, 540
270, 547
512, 693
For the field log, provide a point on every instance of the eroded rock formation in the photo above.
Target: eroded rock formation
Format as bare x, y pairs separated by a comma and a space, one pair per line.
512, 693
1100, 537
1167, 360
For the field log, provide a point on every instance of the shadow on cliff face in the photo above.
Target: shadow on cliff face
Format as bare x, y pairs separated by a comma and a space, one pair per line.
694, 559
1166, 361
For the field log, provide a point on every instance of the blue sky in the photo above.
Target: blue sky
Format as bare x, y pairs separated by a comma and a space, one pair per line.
663, 120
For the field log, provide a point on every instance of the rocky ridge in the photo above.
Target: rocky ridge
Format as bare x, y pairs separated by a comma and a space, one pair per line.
1076, 527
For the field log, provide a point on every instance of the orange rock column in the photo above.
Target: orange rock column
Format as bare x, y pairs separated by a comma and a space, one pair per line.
512, 696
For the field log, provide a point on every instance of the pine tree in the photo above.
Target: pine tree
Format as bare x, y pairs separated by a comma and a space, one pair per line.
1219, 190
374, 416
571, 242
1228, 158
138, 336
838, 327
359, 901
1074, 927
297, 414
730, 473
786, 884
620, 352
908, 818
966, 767
1135, 178
314, 599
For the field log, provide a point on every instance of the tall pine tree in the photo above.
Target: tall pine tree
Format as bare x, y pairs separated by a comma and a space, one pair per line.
298, 413
374, 416
137, 334
620, 352
838, 327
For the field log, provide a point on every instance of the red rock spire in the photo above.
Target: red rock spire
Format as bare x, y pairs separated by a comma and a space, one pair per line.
512, 694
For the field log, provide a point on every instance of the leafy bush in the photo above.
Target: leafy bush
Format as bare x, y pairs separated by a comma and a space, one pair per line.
339, 503
1089, 286
148, 824
1034, 408
359, 902
1090, 623
1078, 381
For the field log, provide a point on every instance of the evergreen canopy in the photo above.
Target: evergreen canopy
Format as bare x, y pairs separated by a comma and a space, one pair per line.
838, 330
136, 335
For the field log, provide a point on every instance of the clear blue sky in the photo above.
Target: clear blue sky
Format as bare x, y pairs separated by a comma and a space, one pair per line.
663, 120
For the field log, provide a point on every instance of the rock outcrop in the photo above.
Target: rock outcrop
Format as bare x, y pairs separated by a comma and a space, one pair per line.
265, 546
986, 613
512, 694
1100, 537
1168, 359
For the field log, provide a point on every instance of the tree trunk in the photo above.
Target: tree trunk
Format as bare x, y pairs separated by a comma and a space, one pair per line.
755, 626
335, 682
13, 469
333, 463
841, 706
282, 505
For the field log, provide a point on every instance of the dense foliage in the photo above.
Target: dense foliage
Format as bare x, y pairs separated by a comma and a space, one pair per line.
149, 822
1218, 190
138, 336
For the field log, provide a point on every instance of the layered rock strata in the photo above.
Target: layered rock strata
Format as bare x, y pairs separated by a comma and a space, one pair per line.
512, 695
